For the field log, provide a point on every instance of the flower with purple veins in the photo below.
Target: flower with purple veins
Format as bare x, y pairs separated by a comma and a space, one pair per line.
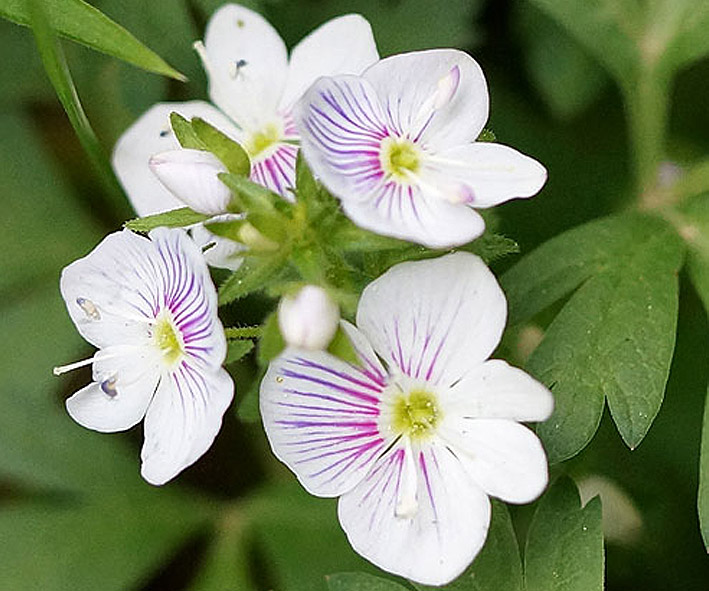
151, 309
397, 146
416, 438
253, 85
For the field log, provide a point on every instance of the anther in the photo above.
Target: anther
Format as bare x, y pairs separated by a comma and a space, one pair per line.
109, 387
235, 67
89, 308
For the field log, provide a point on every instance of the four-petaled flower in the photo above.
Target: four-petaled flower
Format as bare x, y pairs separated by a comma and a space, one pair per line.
413, 446
254, 87
397, 146
151, 309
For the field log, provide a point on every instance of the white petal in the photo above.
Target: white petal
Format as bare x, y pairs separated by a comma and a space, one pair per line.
309, 318
189, 294
343, 45
506, 459
320, 415
440, 539
183, 420
150, 135
342, 126
246, 63
191, 175
124, 383
434, 320
410, 214
408, 86
495, 390
489, 173
222, 252
113, 292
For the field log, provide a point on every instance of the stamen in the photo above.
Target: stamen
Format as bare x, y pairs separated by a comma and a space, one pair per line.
57, 371
406, 503
109, 387
235, 67
89, 308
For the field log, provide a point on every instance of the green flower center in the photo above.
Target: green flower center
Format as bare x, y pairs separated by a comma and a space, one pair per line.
415, 414
167, 339
260, 141
400, 157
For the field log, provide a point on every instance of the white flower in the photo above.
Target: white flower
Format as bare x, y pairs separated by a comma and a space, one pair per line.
151, 309
413, 446
254, 86
397, 146
309, 318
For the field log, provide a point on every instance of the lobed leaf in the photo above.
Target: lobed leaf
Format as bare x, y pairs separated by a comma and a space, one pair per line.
564, 549
614, 339
81, 22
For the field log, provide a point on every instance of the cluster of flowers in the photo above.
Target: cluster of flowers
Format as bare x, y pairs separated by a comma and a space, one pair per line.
417, 436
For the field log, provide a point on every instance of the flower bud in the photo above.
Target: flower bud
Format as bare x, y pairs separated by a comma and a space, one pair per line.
191, 175
308, 319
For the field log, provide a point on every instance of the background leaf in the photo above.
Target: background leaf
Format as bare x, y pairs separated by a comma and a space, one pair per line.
613, 339
81, 22
564, 550
360, 582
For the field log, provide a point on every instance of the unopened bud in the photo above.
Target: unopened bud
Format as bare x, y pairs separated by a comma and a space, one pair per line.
308, 319
191, 175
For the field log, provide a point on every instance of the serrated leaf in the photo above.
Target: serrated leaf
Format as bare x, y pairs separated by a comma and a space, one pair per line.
176, 218
223, 147
614, 339
81, 22
498, 566
560, 265
254, 274
564, 550
360, 582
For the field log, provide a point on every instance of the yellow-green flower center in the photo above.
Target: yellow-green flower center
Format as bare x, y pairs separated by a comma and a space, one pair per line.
260, 141
167, 339
400, 158
415, 414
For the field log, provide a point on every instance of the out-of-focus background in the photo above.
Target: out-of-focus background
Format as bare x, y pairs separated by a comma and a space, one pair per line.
74, 514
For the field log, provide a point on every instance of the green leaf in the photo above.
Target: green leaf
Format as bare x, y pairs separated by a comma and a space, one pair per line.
81, 22
498, 566
223, 147
341, 347
117, 540
271, 343
564, 550
566, 78
176, 218
58, 72
491, 247
254, 274
236, 349
185, 133
360, 582
560, 265
613, 339
703, 496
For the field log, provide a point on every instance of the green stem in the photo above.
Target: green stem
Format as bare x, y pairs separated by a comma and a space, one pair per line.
647, 104
243, 332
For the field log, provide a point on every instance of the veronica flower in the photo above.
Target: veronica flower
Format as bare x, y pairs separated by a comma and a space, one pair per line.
151, 309
253, 86
397, 146
417, 437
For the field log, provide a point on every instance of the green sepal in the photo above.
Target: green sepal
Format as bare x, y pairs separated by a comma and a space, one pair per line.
176, 218
223, 147
184, 132
486, 135
342, 348
255, 273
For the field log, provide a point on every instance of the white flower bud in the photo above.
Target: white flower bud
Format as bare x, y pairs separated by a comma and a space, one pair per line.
191, 175
309, 319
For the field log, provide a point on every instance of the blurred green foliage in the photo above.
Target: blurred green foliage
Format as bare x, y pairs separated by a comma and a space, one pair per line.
598, 91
